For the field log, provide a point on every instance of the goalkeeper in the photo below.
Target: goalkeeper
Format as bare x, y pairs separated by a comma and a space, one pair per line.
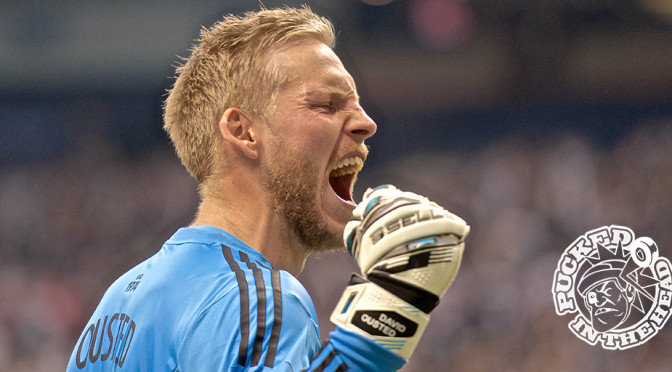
267, 120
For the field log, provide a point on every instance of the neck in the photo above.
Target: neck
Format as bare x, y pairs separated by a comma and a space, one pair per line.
250, 217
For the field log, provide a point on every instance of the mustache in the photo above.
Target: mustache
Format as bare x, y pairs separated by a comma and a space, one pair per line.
361, 148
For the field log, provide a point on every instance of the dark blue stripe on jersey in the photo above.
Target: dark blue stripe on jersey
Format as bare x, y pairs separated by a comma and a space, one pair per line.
261, 310
342, 367
277, 319
325, 363
244, 305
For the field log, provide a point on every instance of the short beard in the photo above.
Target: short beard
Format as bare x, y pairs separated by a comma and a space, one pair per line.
292, 183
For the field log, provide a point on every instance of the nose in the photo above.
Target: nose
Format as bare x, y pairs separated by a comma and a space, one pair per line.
360, 126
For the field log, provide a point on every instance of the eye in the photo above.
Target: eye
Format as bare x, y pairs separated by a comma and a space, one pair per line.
592, 299
328, 107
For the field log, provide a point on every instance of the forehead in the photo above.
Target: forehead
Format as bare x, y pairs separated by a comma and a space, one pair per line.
308, 64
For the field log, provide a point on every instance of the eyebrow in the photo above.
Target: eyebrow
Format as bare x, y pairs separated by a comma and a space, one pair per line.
334, 91
346, 95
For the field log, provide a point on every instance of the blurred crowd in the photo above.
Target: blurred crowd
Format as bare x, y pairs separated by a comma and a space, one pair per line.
70, 226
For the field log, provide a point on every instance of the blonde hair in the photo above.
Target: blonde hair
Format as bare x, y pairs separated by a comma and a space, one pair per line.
227, 69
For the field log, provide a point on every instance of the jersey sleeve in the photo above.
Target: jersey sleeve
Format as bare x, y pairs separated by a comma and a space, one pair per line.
348, 351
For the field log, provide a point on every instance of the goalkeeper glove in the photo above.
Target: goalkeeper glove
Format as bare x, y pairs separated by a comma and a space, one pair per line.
409, 250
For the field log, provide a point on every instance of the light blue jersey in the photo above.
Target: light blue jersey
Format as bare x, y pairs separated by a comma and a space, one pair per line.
208, 302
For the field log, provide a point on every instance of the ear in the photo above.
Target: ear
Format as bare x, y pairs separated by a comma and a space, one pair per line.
236, 127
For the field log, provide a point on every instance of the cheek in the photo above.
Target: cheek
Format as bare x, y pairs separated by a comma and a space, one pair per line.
321, 139
312, 134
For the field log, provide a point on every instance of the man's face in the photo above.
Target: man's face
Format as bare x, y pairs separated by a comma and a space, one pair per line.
608, 305
318, 146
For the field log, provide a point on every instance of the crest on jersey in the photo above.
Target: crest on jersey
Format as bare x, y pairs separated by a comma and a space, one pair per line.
617, 285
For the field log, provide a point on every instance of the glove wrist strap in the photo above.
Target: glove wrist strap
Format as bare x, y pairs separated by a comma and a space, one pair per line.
368, 309
419, 297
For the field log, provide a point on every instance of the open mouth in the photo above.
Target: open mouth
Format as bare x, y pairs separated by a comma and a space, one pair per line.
343, 175
604, 310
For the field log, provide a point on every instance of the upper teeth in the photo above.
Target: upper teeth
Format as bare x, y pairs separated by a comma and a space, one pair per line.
347, 166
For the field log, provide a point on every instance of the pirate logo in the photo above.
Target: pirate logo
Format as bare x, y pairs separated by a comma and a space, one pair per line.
617, 285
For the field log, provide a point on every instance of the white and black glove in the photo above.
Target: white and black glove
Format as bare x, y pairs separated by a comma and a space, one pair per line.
409, 250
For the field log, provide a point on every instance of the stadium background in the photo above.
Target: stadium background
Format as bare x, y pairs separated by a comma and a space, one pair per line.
534, 120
